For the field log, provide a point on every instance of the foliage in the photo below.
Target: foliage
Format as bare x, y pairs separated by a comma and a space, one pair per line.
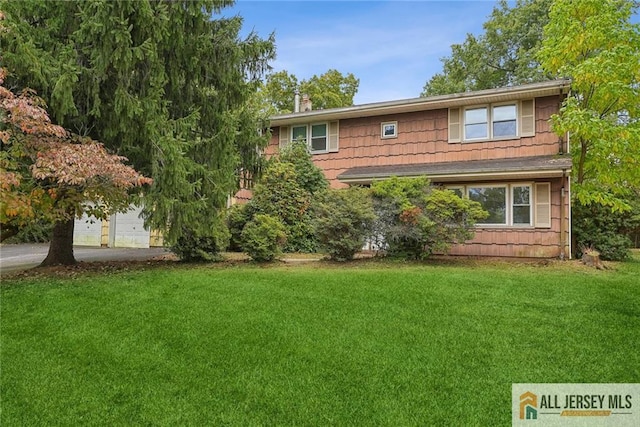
329, 90
33, 232
308, 175
595, 44
279, 194
344, 220
237, 217
595, 225
416, 220
193, 246
504, 55
286, 190
263, 238
168, 84
47, 174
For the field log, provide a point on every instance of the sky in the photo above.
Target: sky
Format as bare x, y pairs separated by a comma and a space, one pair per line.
393, 47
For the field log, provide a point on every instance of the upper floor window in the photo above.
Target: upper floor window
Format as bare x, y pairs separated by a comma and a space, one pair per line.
499, 121
493, 121
318, 132
389, 129
320, 137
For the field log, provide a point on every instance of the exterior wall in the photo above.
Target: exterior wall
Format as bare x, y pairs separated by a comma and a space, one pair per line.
524, 242
423, 138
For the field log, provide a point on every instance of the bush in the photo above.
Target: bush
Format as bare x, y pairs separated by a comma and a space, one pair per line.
237, 217
280, 195
416, 220
344, 221
263, 238
197, 246
35, 232
597, 226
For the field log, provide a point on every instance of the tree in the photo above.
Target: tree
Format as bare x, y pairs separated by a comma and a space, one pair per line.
329, 90
159, 82
52, 175
595, 44
286, 191
504, 55
416, 220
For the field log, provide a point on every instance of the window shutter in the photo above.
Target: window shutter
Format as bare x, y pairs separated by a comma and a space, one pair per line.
284, 136
333, 137
527, 118
454, 125
543, 205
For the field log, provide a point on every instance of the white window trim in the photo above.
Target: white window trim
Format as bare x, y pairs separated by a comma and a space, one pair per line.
531, 203
464, 123
310, 137
395, 130
489, 108
507, 210
509, 202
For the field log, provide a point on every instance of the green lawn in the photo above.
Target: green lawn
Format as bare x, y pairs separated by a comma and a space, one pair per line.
369, 343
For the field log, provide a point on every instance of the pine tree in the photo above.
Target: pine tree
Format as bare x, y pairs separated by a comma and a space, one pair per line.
160, 82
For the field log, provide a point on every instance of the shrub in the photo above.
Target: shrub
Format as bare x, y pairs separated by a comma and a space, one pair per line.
344, 221
416, 220
597, 226
263, 238
308, 176
197, 246
237, 217
280, 195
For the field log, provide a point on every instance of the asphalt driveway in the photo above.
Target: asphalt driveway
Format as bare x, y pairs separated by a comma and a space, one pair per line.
25, 256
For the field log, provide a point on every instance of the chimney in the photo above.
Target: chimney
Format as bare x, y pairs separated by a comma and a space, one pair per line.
296, 102
306, 103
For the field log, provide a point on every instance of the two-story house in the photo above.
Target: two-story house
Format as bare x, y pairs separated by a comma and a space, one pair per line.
493, 146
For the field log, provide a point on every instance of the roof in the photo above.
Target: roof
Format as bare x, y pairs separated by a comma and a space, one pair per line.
519, 168
512, 93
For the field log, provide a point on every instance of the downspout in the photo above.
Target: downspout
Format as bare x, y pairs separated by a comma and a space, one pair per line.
568, 197
569, 218
563, 245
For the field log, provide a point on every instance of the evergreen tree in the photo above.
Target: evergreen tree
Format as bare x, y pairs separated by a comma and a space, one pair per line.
160, 82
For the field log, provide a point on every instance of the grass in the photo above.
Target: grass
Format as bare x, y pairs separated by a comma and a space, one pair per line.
366, 344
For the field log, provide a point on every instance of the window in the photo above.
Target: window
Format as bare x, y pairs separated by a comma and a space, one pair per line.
475, 123
521, 202
504, 121
319, 137
299, 133
493, 200
389, 130
494, 121
509, 204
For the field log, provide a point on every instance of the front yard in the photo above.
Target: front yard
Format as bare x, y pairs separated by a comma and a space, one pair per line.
370, 343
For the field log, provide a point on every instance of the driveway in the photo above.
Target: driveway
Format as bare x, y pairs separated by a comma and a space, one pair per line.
25, 256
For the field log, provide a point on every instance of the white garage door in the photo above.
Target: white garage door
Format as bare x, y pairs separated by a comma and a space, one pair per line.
127, 230
87, 231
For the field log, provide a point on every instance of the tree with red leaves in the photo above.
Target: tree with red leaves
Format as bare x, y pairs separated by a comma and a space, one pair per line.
49, 173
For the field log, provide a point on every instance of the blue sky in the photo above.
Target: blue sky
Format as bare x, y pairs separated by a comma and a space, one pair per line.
393, 47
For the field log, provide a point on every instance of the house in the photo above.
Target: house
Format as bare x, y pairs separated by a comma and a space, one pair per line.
493, 146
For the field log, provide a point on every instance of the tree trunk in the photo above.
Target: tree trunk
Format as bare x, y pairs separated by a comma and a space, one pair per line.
61, 246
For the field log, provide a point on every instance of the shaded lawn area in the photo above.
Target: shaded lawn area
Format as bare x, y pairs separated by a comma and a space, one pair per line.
367, 344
